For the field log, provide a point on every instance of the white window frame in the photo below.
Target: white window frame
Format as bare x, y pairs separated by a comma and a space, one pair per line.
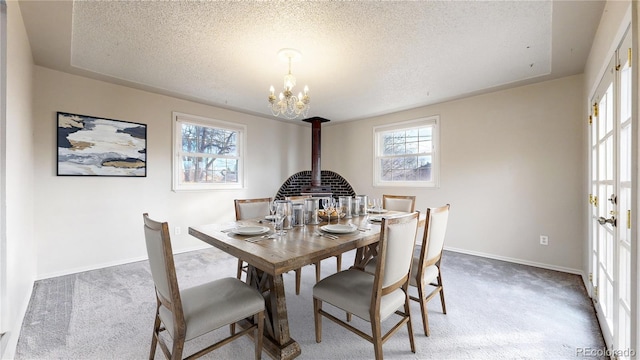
177, 120
378, 131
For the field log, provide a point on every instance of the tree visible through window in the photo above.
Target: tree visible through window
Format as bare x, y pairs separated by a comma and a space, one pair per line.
207, 154
406, 153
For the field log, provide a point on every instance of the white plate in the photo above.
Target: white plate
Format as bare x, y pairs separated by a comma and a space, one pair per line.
339, 228
270, 217
374, 218
250, 230
376, 211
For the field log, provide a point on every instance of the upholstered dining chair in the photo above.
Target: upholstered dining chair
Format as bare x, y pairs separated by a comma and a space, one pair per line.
406, 203
376, 296
250, 209
189, 313
425, 270
300, 199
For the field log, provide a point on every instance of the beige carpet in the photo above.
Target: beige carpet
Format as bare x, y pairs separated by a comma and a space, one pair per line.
496, 310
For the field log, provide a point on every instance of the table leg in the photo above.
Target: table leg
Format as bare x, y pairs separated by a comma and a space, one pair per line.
277, 340
364, 255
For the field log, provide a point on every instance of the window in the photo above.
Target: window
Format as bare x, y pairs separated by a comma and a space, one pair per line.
207, 153
406, 154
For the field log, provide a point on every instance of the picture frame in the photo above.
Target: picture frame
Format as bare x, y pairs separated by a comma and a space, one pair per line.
95, 146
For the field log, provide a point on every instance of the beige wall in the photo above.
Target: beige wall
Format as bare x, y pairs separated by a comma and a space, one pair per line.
19, 260
512, 168
91, 222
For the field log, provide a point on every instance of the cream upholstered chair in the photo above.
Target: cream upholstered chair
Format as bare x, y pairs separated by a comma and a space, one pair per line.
189, 313
426, 266
425, 270
406, 203
250, 209
300, 199
374, 297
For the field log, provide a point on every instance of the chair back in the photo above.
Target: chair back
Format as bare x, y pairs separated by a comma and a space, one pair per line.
252, 208
434, 234
397, 241
406, 203
161, 263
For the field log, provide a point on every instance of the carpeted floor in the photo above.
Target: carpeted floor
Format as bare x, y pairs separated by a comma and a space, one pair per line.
496, 310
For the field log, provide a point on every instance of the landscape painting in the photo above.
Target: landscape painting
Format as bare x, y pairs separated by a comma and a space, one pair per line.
93, 146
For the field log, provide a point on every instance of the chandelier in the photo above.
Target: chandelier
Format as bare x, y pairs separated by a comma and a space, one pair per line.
287, 104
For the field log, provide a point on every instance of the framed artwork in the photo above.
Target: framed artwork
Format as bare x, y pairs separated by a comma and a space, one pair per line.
93, 146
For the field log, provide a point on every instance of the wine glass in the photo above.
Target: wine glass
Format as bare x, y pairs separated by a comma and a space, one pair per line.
272, 209
339, 210
280, 214
326, 205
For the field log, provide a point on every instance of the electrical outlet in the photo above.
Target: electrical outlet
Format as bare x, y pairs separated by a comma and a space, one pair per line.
178, 231
544, 240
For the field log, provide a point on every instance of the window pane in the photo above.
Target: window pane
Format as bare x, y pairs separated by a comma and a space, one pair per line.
412, 147
195, 169
398, 175
387, 144
399, 137
386, 166
425, 133
208, 140
425, 146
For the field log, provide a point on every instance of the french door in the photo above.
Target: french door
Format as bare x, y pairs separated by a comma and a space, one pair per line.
611, 197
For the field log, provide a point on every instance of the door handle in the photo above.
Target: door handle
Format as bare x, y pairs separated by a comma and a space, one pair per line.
611, 220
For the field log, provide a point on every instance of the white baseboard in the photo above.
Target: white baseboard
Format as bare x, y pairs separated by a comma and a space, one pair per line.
113, 263
518, 261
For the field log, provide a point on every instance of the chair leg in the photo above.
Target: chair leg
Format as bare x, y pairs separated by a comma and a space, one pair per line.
317, 306
423, 307
259, 332
178, 347
376, 336
339, 262
154, 338
407, 311
444, 307
298, 275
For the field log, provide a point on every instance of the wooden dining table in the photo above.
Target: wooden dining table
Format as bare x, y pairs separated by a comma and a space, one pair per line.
268, 257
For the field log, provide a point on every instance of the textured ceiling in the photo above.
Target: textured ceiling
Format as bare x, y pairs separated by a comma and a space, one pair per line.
359, 59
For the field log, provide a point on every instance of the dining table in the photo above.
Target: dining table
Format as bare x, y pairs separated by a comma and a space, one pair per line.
270, 255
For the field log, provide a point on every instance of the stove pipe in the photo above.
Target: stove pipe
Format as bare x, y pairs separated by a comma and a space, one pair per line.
316, 181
